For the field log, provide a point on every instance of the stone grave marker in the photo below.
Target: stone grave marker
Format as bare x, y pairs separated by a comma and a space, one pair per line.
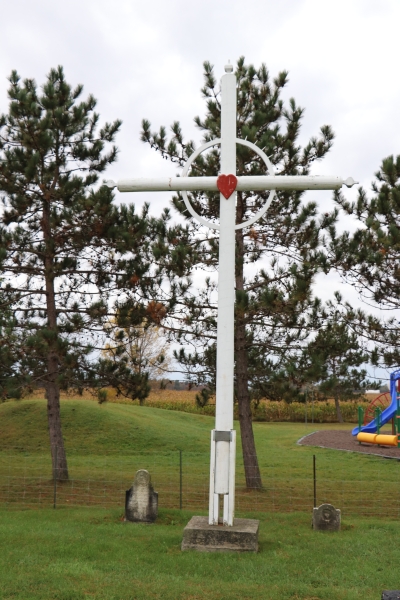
326, 518
141, 501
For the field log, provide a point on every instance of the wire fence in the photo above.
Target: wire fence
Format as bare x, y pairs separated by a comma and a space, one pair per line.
370, 487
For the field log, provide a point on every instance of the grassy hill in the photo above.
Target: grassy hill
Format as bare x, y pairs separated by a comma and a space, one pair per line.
103, 429
107, 443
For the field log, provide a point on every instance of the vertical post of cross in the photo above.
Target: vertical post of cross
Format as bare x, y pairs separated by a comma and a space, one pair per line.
223, 437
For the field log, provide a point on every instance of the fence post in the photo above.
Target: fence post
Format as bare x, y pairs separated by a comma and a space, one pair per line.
306, 406
315, 482
360, 419
55, 478
180, 479
312, 409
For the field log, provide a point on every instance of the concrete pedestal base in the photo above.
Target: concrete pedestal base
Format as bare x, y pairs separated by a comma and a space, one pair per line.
241, 537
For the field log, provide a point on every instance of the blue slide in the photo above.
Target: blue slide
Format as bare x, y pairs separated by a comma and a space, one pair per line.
388, 413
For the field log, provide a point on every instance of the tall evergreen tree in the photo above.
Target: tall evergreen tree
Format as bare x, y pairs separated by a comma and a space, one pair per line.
328, 363
276, 258
66, 252
336, 355
369, 258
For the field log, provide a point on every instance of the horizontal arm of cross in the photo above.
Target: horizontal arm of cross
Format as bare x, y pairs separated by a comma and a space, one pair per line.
247, 183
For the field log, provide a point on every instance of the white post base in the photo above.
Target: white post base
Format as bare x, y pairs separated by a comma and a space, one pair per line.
223, 458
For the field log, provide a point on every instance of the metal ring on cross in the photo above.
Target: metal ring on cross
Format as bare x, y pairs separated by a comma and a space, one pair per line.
217, 142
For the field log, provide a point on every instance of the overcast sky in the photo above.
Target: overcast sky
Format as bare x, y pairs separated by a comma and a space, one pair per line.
144, 59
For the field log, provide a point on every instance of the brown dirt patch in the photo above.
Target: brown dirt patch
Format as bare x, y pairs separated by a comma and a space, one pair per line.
343, 440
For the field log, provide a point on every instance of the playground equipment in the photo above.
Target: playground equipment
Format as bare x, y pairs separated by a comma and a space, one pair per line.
370, 432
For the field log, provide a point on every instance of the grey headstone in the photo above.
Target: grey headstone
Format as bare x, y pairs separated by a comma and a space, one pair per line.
326, 518
390, 594
141, 501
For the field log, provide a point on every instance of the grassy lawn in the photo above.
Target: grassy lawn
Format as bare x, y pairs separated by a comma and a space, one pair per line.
82, 550
89, 553
106, 445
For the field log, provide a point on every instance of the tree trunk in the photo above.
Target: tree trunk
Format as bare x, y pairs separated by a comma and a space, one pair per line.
250, 461
58, 456
338, 411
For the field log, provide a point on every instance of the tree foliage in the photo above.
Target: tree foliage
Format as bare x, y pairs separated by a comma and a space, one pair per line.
369, 258
70, 257
330, 362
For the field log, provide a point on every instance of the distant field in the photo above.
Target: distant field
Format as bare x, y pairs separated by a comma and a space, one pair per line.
168, 395
156, 394
264, 411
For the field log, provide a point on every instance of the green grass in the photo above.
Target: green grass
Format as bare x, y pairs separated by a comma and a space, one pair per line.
89, 553
102, 429
73, 553
106, 444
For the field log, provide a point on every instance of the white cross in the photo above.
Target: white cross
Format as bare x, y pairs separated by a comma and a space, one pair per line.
223, 437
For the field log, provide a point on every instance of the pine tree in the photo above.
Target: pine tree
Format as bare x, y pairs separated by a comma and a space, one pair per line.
70, 257
285, 377
335, 356
369, 258
276, 258
328, 363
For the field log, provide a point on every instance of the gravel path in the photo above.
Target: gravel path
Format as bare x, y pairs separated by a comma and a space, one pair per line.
343, 440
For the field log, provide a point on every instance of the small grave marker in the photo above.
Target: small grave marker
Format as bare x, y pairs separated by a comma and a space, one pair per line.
141, 501
326, 518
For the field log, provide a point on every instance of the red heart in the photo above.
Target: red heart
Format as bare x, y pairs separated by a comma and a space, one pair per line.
227, 185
